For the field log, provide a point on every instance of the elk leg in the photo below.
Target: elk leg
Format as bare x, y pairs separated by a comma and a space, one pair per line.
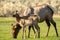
23, 33
38, 30
30, 29
54, 24
48, 24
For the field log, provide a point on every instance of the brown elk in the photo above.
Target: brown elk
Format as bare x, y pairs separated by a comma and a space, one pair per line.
41, 13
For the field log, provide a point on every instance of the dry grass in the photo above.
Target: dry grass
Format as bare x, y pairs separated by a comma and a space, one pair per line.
56, 16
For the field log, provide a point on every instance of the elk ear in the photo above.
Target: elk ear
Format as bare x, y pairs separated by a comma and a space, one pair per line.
11, 24
13, 15
16, 11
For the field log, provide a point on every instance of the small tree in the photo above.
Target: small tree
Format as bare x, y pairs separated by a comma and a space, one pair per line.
57, 5
49, 1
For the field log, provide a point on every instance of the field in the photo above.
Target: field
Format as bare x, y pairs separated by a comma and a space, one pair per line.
6, 32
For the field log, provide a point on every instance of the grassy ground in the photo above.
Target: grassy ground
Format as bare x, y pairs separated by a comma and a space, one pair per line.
5, 30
